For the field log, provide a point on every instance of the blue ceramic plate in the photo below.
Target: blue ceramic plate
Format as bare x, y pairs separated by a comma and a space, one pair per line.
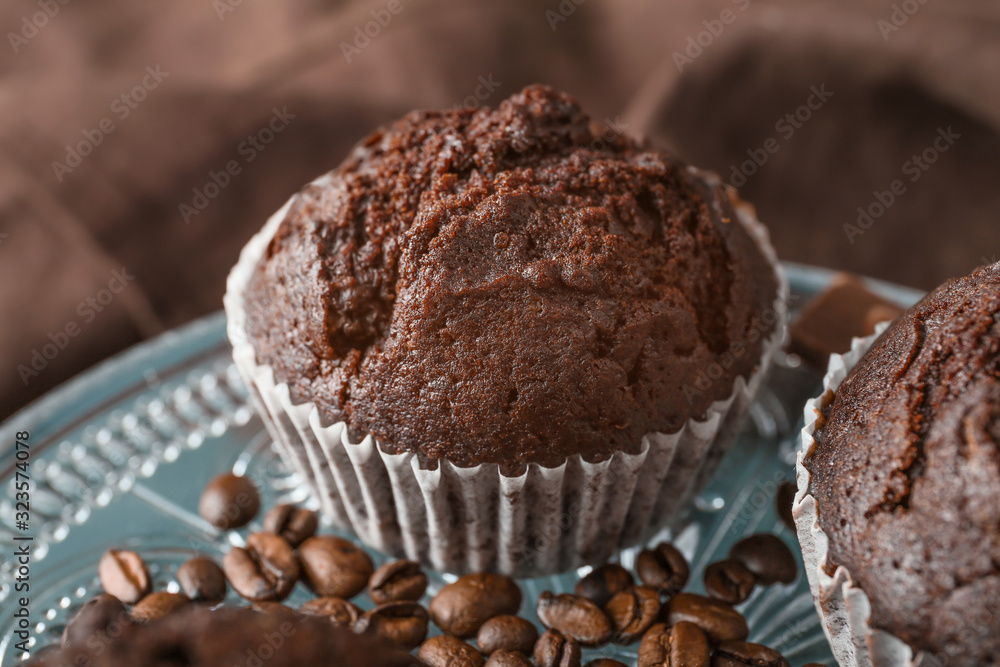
119, 456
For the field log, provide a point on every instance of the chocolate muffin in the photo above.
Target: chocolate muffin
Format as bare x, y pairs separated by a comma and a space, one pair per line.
199, 637
506, 340
906, 473
510, 286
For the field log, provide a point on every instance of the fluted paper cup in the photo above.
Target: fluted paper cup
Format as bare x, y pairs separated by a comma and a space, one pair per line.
844, 608
455, 519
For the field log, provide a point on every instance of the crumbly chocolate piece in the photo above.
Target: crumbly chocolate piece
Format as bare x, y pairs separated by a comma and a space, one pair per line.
906, 473
845, 310
508, 286
199, 637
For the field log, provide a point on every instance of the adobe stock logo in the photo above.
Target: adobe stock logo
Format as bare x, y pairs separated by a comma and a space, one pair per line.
562, 13
900, 16
786, 126
697, 43
30, 25
487, 86
364, 34
87, 310
914, 168
249, 149
122, 107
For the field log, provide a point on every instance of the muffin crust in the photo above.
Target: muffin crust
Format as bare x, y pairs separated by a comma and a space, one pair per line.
507, 286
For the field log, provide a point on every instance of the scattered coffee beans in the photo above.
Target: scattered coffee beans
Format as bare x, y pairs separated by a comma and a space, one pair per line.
398, 581
729, 581
555, 650
295, 524
402, 623
334, 567
632, 612
449, 651
604, 582
507, 633
229, 501
102, 614
680, 645
574, 617
745, 654
664, 568
768, 557
716, 619
202, 580
123, 574
685, 631
509, 659
340, 612
265, 570
155, 606
462, 607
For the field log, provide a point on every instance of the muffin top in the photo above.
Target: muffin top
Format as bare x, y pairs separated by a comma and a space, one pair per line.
906, 473
199, 637
510, 286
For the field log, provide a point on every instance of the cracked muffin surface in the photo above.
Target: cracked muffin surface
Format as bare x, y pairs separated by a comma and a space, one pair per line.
511, 286
906, 473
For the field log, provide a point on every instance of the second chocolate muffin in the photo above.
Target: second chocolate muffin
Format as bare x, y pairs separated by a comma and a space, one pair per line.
510, 286
905, 472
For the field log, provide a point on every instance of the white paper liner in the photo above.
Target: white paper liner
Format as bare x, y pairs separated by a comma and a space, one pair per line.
843, 607
476, 519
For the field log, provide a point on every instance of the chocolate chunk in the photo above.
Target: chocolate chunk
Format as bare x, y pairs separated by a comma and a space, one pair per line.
846, 309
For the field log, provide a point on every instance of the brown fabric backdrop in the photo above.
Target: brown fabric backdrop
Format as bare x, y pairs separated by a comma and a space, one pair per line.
226, 65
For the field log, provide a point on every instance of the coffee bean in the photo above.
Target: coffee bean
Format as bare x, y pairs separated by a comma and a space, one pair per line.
340, 612
449, 651
295, 524
157, 605
784, 500
605, 662
553, 649
102, 614
276, 609
123, 574
202, 580
730, 581
229, 501
507, 633
461, 607
266, 570
632, 612
575, 617
334, 567
398, 581
402, 623
509, 659
663, 567
680, 645
604, 583
745, 654
716, 619
768, 557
